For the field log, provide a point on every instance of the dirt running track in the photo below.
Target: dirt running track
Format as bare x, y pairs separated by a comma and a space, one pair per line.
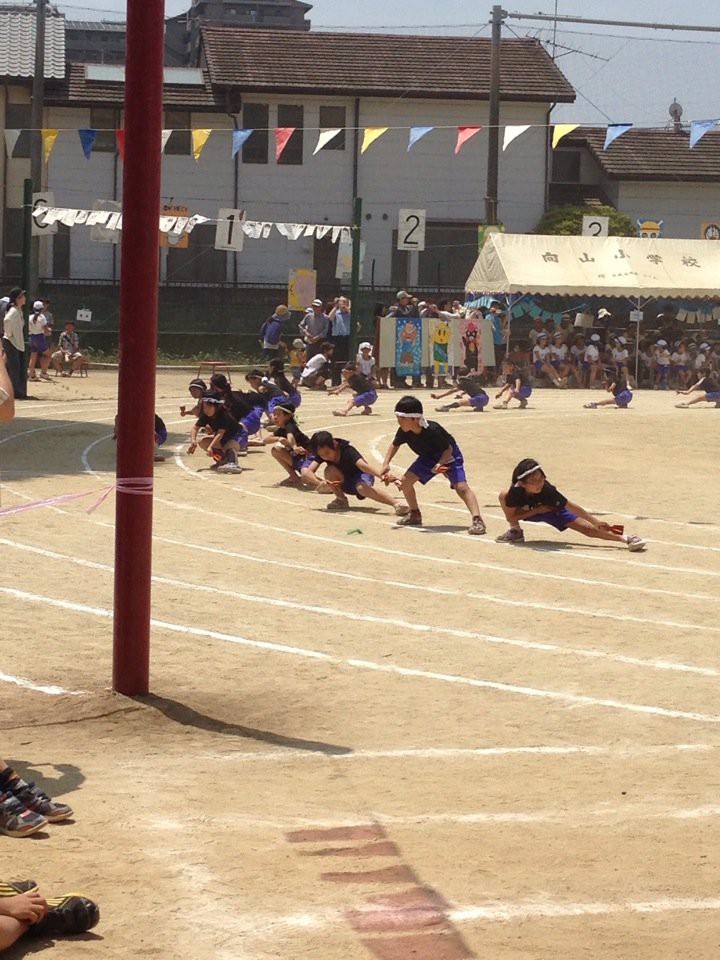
386, 745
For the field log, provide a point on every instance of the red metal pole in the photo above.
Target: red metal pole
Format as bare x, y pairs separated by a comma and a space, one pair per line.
138, 339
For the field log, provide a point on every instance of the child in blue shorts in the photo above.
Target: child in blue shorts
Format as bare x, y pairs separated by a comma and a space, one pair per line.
364, 393
617, 385
707, 389
291, 447
471, 396
218, 433
437, 453
532, 499
347, 472
516, 387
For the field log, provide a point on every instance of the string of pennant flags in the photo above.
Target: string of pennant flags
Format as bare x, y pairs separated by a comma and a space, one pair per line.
283, 135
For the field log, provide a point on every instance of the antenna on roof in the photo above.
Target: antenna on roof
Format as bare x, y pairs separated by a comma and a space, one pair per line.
676, 111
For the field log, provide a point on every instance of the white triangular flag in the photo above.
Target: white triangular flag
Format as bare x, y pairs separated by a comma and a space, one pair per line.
266, 228
167, 223
323, 230
336, 234
165, 138
11, 138
310, 230
325, 137
81, 216
68, 218
512, 133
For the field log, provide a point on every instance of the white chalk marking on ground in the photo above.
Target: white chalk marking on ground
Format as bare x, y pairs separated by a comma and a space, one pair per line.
50, 689
533, 692
413, 626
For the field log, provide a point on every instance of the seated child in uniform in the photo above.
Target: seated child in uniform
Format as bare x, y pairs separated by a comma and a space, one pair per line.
437, 453
516, 387
532, 499
365, 361
471, 395
347, 472
317, 368
291, 448
364, 393
218, 433
617, 385
707, 389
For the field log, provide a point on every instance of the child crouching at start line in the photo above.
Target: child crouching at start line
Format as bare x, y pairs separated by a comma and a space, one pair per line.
532, 499
617, 385
218, 433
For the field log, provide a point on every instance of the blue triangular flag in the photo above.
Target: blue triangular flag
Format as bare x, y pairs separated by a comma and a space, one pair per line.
417, 133
698, 129
614, 131
87, 139
239, 138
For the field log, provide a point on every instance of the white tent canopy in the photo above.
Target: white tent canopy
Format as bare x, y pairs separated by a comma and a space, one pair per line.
597, 266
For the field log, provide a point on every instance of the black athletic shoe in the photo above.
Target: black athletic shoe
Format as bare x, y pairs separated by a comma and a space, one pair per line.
33, 798
66, 916
11, 888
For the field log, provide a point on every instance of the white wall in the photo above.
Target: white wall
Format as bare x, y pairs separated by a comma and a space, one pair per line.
682, 206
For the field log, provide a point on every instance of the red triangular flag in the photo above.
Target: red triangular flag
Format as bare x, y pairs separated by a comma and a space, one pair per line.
282, 136
120, 140
464, 134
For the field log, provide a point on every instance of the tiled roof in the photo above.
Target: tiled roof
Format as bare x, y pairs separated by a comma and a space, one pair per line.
77, 89
382, 65
97, 26
17, 44
652, 154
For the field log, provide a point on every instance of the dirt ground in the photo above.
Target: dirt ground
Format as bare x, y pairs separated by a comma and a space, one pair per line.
391, 743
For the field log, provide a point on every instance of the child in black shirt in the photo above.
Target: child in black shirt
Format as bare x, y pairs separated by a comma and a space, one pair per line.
707, 388
471, 396
532, 499
617, 385
437, 453
291, 447
218, 433
364, 393
516, 387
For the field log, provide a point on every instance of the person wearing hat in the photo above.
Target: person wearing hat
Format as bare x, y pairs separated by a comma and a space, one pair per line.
542, 364
219, 434
663, 362
39, 330
314, 328
271, 332
68, 351
341, 327
365, 361
591, 361
604, 317
14, 342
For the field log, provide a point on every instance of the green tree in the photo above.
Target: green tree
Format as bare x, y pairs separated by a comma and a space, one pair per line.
567, 220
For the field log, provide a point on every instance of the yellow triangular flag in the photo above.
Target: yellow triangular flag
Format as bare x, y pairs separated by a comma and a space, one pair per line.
199, 139
561, 130
371, 135
48, 138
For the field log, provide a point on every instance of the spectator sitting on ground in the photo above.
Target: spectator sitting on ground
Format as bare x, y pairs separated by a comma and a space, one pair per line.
68, 351
317, 369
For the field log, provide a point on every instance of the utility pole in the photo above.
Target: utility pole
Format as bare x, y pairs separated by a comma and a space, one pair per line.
493, 158
355, 278
36, 124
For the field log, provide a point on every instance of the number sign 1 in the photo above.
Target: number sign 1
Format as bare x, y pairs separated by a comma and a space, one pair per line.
229, 234
595, 226
411, 230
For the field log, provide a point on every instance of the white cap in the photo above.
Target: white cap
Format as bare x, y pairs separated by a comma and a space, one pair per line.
621, 340
38, 306
602, 312
595, 337
704, 346
661, 343
365, 346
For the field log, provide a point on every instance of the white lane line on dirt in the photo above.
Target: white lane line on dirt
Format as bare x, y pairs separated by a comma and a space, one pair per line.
409, 672
50, 689
337, 613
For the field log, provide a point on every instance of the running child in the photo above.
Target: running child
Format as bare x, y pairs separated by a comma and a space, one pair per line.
707, 389
347, 472
617, 385
291, 448
197, 389
218, 433
516, 387
532, 499
39, 332
471, 396
364, 393
437, 454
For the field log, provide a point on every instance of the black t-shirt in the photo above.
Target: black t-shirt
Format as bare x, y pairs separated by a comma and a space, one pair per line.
270, 390
620, 386
549, 497
349, 457
241, 404
513, 378
359, 383
291, 429
471, 386
223, 420
709, 385
432, 440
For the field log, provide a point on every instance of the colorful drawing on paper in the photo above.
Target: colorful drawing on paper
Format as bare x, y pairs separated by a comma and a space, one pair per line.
408, 346
301, 288
440, 337
470, 342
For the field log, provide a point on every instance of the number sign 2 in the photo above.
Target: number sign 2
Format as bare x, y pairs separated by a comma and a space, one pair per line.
411, 230
229, 234
595, 226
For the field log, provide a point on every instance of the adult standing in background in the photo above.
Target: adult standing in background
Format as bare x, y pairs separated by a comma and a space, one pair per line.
271, 332
341, 320
500, 331
7, 398
314, 328
14, 342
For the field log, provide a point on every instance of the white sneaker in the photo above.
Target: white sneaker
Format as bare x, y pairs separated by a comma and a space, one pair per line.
229, 468
401, 509
635, 544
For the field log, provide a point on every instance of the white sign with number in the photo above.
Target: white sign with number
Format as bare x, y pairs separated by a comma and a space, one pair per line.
46, 199
411, 230
229, 234
595, 226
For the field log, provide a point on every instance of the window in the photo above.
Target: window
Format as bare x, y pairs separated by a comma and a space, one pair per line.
180, 141
256, 117
330, 119
450, 254
566, 166
292, 116
61, 253
103, 120
325, 263
200, 261
17, 117
13, 243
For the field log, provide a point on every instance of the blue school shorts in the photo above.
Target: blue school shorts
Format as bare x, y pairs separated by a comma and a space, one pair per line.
38, 343
351, 481
301, 461
252, 421
276, 401
623, 398
423, 468
365, 399
295, 399
560, 519
715, 397
523, 393
480, 401
161, 436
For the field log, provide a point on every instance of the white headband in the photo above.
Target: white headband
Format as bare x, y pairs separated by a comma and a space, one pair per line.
528, 472
413, 416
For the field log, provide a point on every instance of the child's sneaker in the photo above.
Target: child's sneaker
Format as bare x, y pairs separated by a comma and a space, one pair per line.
589, 406
232, 467
44, 376
682, 406
11, 888
523, 403
411, 519
66, 916
513, 535
501, 406
15, 818
477, 527
338, 504
32, 798
444, 408
635, 544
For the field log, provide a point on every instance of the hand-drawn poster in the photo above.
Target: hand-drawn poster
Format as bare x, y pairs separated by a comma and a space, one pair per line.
470, 339
408, 346
440, 334
301, 288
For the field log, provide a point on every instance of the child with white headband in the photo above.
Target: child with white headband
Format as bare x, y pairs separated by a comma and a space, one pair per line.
437, 453
532, 499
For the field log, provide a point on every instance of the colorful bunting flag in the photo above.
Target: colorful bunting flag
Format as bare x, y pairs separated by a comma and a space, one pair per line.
11, 138
370, 135
48, 141
463, 135
165, 138
614, 131
282, 138
120, 141
561, 130
87, 140
325, 137
417, 133
239, 138
698, 129
512, 133
199, 138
